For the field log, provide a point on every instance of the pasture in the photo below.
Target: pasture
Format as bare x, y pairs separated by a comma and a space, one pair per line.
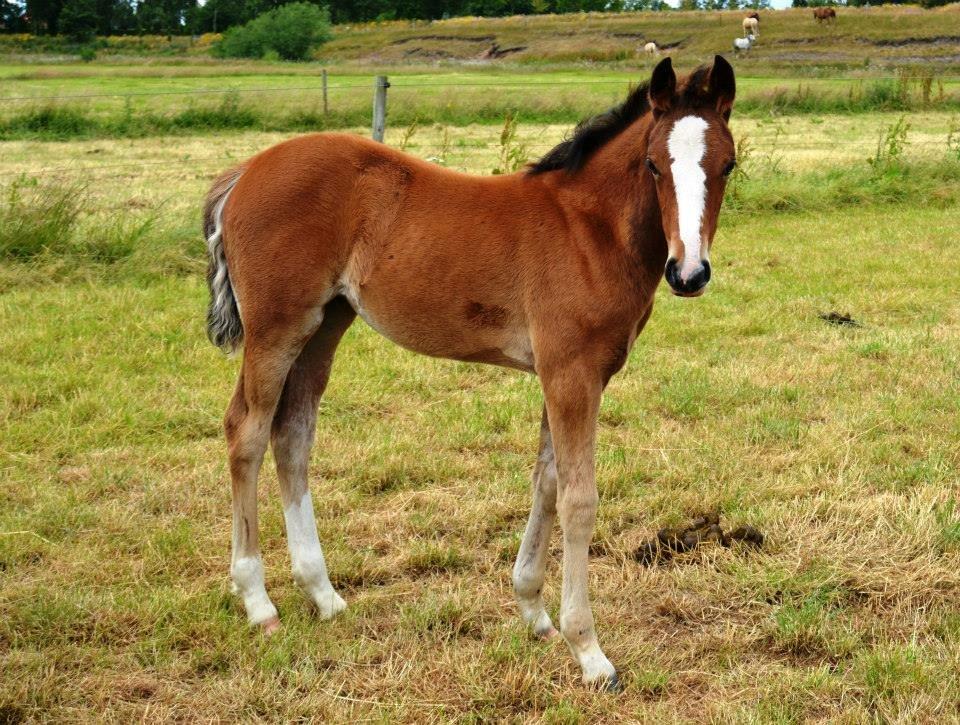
867, 38
50, 102
839, 442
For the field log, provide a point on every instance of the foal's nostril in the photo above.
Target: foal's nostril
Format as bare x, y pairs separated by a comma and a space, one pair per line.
692, 284
698, 280
672, 273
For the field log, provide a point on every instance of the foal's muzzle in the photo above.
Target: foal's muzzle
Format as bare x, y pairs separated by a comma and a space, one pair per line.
693, 285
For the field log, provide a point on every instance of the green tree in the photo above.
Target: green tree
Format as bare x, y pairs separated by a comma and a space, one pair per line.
115, 17
79, 20
291, 31
12, 18
44, 16
166, 17
215, 16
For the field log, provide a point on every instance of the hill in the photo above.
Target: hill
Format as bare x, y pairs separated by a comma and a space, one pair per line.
882, 37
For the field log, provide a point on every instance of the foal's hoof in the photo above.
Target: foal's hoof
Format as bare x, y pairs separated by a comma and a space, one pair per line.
546, 634
328, 603
607, 683
613, 684
599, 673
270, 626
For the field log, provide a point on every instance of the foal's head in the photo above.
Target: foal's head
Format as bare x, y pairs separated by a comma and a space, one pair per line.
690, 154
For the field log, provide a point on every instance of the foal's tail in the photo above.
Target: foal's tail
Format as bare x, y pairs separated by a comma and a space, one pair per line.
224, 327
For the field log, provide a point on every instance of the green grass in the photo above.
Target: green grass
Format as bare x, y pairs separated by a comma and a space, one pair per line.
34, 220
114, 479
840, 444
293, 103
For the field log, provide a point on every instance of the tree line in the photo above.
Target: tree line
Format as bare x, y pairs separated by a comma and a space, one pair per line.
86, 18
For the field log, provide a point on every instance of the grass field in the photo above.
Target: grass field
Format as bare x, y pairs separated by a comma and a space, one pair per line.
64, 106
791, 42
790, 39
840, 443
873, 60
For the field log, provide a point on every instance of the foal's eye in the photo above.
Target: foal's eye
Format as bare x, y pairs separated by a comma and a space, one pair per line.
653, 168
728, 169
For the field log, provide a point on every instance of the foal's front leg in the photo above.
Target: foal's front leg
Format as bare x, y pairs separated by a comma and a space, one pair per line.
572, 395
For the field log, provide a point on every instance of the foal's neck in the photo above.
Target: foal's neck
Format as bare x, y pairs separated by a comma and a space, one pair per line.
615, 188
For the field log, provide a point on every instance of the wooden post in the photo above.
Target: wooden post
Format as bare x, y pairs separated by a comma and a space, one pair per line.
380, 108
325, 107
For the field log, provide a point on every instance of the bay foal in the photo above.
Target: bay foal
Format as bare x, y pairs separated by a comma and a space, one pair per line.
551, 270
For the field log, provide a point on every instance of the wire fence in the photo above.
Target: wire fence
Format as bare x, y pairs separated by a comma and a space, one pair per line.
745, 80
781, 142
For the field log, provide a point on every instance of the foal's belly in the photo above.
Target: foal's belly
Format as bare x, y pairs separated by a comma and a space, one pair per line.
449, 318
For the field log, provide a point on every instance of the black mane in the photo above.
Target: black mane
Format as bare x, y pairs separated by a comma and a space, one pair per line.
592, 133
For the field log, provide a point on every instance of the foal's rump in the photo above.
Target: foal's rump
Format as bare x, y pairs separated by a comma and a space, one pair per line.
425, 255
279, 234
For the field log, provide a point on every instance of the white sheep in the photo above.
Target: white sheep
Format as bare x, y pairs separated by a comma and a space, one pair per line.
743, 44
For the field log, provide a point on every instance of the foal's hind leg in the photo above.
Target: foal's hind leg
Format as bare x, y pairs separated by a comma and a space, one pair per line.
528, 572
292, 437
266, 361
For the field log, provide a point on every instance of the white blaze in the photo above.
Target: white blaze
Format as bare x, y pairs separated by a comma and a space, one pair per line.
687, 146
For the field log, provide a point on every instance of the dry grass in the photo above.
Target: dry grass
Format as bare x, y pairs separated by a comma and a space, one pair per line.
131, 167
839, 444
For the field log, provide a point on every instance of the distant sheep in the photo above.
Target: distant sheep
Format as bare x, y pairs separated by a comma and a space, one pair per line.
743, 45
651, 49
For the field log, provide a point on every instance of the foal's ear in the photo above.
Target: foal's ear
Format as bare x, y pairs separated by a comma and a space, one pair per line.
663, 86
722, 86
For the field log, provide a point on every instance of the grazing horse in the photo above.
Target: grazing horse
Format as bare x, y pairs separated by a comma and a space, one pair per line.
825, 15
751, 26
651, 48
551, 270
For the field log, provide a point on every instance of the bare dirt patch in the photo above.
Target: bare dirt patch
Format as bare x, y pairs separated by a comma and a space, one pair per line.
902, 42
452, 38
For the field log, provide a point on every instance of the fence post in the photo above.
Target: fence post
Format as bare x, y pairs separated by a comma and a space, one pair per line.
380, 107
325, 107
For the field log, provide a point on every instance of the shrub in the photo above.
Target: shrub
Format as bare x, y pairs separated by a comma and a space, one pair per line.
290, 31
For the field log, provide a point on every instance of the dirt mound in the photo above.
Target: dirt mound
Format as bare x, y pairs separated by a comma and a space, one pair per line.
703, 529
